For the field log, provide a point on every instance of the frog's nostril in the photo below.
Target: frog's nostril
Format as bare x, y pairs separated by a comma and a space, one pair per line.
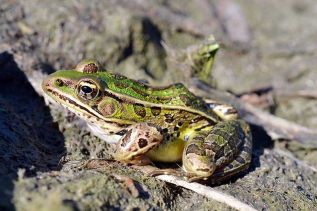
59, 82
45, 84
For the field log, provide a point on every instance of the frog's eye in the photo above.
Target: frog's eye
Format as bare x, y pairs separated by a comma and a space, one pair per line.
87, 89
88, 66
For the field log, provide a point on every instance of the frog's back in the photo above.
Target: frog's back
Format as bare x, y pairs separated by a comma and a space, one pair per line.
176, 95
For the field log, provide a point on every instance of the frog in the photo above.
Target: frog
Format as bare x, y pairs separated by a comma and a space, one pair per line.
166, 124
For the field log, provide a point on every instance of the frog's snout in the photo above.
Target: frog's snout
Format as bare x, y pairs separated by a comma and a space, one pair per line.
53, 83
46, 83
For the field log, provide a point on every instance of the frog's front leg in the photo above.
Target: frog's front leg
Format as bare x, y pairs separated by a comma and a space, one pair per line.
136, 142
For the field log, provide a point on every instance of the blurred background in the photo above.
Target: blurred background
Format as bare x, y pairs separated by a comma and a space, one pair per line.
267, 58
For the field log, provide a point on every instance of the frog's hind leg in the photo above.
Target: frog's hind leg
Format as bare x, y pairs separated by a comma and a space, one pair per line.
239, 164
226, 146
224, 111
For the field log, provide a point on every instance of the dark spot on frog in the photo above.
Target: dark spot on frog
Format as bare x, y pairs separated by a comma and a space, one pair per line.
240, 159
167, 137
198, 138
232, 143
165, 130
230, 166
85, 151
156, 140
120, 77
197, 119
59, 82
202, 127
169, 118
247, 149
186, 100
179, 85
155, 111
213, 145
140, 92
142, 142
139, 110
126, 138
121, 85
120, 133
219, 154
193, 148
177, 134
180, 123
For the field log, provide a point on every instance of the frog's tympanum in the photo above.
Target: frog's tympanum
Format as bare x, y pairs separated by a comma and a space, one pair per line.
166, 124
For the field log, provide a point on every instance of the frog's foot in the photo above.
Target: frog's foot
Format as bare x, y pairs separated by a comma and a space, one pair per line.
140, 161
138, 140
198, 160
166, 171
178, 173
224, 111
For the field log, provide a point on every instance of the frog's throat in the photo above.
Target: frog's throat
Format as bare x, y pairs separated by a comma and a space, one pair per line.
100, 133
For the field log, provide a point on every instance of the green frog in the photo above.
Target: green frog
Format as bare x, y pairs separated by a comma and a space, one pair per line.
155, 124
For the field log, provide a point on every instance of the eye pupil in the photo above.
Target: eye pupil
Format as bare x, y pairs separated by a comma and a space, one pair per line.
86, 89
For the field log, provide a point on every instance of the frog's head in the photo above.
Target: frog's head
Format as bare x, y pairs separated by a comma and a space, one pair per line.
82, 91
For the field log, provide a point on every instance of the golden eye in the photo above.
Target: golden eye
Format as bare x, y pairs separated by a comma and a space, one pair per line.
88, 66
87, 89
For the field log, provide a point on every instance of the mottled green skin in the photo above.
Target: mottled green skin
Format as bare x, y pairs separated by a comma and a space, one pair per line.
173, 95
165, 124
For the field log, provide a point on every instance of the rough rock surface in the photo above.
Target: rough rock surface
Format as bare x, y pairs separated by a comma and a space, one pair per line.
42, 145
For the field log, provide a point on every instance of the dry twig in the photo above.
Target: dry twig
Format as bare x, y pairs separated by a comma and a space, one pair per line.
281, 92
208, 192
203, 190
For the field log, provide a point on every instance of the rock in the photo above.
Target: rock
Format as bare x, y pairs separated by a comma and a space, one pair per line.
43, 149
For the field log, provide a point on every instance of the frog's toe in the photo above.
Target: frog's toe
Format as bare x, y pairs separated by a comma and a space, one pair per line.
194, 178
196, 162
158, 172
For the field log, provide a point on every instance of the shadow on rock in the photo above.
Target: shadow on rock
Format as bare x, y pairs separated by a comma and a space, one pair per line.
28, 137
261, 141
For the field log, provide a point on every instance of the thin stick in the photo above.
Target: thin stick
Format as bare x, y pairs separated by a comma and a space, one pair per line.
308, 94
208, 192
283, 92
